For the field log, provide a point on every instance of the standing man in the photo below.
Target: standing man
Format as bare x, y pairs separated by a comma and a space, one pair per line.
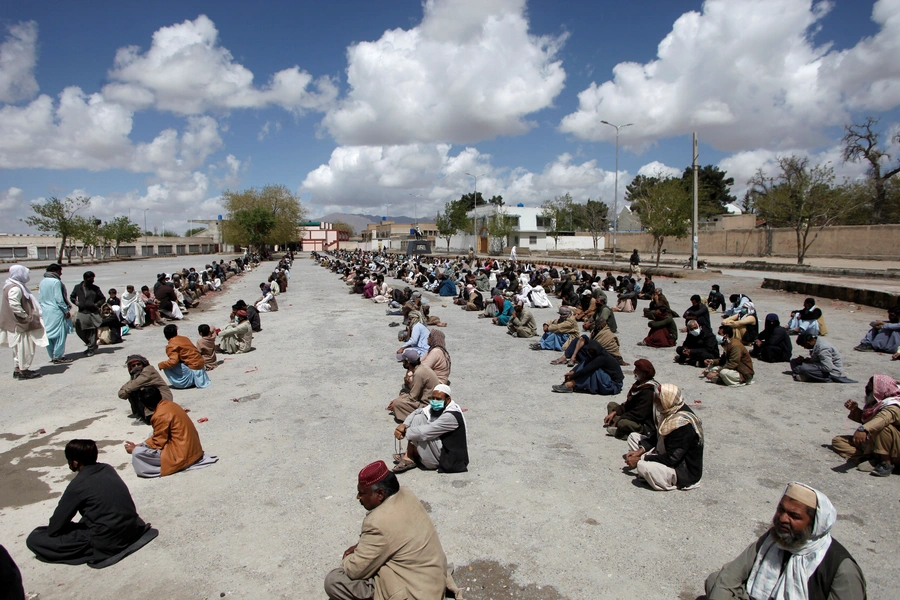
795, 558
88, 298
56, 313
398, 554
20, 322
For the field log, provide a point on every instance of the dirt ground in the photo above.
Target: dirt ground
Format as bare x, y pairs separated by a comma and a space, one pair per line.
545, 510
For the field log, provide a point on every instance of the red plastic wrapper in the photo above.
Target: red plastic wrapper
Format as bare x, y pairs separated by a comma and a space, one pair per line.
202, 420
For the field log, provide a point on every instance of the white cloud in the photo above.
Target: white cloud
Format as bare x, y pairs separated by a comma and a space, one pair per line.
469, 71
18, 55
187, 72
270, 127
746, 74
12, 198
658, 169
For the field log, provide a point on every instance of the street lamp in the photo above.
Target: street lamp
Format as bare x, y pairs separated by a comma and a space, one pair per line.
475, 209
145, 227
616, 196
416, 197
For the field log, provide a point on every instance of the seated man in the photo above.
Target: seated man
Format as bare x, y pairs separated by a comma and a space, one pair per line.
252, 314
745, 325
474, 301
109, 522
697, 311
267, 302
699, 346
663, 330
416, 333
558, 333
110, 329
884, 336
438, 358
807, 319
504, 311
671, 457
522, 324
795, 558
657, 300
878, 436
237, 337
142, 374
715, 300
635, 415
436, 436
599, 373
739, 302
648, 289
398, 554
824, 363
773, 345
419, 379
734, 367
133, 309
167, 299
206, 344
175, 443
185, 367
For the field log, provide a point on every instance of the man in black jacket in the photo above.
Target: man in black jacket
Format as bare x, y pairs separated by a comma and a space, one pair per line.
600, 373
716, 299
697, 311
109, 522
88, 298
635, 415
699, 345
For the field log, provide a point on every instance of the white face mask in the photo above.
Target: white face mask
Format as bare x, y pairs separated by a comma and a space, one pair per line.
720, 339
694, 331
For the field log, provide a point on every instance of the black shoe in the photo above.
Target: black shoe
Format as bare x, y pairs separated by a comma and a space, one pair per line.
864, 348
29, 374
562, 389
17, 375
883, 470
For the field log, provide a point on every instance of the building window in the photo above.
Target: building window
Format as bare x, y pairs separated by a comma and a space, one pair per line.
544, 222
164, 249
532, 240
127, 250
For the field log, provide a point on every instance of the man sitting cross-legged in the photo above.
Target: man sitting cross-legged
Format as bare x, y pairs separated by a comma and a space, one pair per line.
175, 443
878, 436
635, 415
185, 367
599, 373
436, 436
109, 522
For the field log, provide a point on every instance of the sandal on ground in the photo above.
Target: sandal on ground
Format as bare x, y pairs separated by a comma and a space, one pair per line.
558, 361
403, 466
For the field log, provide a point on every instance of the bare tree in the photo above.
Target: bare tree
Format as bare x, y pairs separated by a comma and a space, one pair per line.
59, 217
861, 142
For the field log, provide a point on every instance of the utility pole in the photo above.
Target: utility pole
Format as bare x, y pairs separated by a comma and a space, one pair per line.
694, 236
616, 196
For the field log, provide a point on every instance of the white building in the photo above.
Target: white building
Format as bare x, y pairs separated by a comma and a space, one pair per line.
529, 231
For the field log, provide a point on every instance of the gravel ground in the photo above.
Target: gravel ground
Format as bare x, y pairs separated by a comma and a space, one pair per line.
544, 512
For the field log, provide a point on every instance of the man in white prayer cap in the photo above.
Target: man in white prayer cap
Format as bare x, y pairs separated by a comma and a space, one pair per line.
436, 436
797, 559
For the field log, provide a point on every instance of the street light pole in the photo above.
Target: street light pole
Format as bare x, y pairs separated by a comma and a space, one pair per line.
616, 196
145, 227
416, 197
475, 209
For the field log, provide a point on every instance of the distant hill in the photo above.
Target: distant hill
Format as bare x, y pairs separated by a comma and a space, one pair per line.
357, 221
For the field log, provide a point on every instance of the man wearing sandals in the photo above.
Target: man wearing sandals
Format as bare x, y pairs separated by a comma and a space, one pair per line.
436, 436
398, 554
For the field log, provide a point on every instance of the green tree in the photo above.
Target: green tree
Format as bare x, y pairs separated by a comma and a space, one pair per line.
341, 226
91, 237
592, 216
500, 226
638, 187
120, 230
283, 205
58, 217
257, 223
557, 214
861, 143
193, 231
452, 220
664, 209
801, 197
468, 201
714, 189
168, 233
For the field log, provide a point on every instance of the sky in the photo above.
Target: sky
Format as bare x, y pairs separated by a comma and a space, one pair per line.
390, 108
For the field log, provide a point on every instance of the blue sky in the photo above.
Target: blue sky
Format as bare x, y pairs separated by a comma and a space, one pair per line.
357, 105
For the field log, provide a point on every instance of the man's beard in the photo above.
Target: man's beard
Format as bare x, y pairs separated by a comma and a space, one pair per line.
791, 540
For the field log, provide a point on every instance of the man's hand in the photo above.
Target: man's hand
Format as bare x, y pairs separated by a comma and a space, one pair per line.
349, 551
494, 320
400, 432
710, 361
877, 324
608, 419
851, 405
860, 438
757, 343
686, 351
632, 458
129, 447
895, 356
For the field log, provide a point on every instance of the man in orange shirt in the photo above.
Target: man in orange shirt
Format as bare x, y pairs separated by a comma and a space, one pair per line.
175, 443
186, 367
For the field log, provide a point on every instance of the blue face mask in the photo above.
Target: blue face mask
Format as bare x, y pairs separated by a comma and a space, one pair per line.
437, 405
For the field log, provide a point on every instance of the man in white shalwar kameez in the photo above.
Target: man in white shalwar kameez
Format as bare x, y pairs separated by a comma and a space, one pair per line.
20, 322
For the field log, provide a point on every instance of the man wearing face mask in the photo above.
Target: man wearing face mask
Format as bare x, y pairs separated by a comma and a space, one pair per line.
795, 558
735, 367
236, 337
716, 299
436, 436
699, 346
635, 415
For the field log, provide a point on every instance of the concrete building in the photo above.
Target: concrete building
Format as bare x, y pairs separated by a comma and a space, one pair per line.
529, 232
320, 236
388, 235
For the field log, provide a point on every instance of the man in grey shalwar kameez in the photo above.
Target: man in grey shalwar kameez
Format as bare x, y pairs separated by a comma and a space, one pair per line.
88, 298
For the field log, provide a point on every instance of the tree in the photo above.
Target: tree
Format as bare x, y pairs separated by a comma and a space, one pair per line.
861, 142
283, 205
714, 189
90, 235
556, 214
468, 200
341, 226
58, 217
664, 209
592, 216
500, 226
452, 220
257, 223
194, 231
168, 233
638, 187
120, 230
801, 197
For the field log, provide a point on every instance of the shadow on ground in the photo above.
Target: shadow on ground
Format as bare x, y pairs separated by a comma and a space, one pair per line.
488, 579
